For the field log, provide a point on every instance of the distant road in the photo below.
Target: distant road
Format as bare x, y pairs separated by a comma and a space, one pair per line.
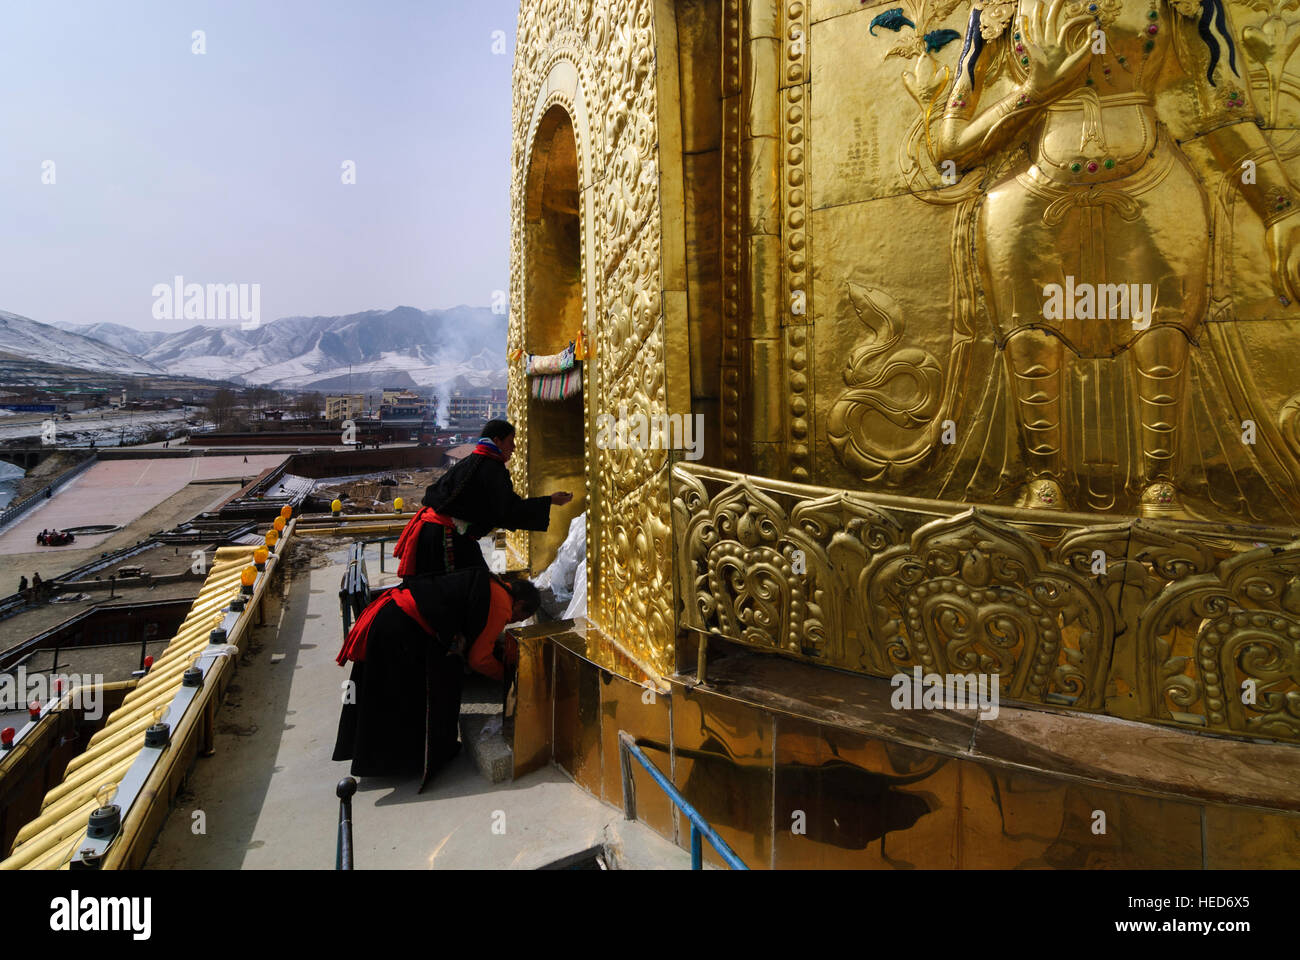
86, 424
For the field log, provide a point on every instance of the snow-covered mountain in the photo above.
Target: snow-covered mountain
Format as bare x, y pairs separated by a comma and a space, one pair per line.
41, 341
135, 342
462, 346
400, 346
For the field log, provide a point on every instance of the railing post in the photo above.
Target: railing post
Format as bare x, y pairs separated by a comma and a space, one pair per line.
700, 828
625, 768
346, 788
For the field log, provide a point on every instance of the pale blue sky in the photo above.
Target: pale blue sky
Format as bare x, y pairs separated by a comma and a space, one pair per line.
225, 167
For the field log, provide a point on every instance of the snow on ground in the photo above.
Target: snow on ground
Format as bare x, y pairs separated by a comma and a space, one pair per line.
106, 433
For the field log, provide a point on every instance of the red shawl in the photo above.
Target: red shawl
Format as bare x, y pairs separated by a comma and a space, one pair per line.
405, 548
354, 647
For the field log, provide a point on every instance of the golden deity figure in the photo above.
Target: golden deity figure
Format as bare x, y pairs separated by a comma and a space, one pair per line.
1097, 243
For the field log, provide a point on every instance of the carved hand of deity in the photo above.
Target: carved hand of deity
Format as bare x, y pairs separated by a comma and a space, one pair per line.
1283, 241
1057, 52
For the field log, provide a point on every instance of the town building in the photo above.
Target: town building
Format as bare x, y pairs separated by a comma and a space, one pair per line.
346, 407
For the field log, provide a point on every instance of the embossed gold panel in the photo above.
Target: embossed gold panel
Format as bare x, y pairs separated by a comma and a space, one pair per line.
1187, 624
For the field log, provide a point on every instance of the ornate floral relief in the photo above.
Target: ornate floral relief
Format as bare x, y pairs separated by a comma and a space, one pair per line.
610, 43
972, 594
1241, 671
1164, 629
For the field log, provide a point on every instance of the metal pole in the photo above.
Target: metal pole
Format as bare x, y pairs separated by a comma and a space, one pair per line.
346, 788
698, 823
697, 848
703, 659
629, 784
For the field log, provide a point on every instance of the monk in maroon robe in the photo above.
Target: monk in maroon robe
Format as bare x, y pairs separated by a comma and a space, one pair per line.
401, 709
467, 503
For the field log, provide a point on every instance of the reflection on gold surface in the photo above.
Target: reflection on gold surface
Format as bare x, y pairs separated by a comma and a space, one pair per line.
723, 766
577, 719
1250, 839
532, 735
844, 801
647, 715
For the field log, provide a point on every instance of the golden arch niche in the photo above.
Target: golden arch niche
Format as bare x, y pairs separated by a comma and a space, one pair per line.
553, 313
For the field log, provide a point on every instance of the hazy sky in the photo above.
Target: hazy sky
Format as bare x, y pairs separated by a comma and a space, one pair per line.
226, 167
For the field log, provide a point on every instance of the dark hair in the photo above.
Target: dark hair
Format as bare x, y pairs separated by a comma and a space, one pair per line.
525, 594
498, 429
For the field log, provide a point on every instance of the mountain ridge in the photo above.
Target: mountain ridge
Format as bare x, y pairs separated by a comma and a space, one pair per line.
455, 347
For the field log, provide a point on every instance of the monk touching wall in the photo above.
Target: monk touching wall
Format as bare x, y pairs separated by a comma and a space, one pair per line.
467, 503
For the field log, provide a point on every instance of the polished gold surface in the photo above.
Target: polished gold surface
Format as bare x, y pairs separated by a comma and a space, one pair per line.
845, 801
532, 742
866, 788
577, 719
1179, 619
722, 764
806, 222
646, 714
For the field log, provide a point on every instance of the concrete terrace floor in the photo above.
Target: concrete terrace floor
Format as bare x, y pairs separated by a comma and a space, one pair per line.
122, 491
268, 792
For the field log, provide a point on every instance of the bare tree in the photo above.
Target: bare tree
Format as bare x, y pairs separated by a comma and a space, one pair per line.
221, 408
310, 405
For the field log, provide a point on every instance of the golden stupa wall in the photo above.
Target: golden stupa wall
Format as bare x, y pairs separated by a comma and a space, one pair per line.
595, 61
906, 338
765, 234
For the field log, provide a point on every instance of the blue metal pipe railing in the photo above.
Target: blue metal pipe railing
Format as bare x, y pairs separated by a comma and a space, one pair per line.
700, 829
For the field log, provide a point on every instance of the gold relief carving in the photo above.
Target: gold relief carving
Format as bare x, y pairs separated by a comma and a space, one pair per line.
779, 580
1102, 415
641, 531
797, 307
1289, 420
1241, 671
970, 594
885, 423
1270, 35
748, 587
609, 45
1146, 620
733, 257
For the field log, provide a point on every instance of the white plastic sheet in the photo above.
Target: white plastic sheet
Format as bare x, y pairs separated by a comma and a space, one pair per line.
578, 605
560, 575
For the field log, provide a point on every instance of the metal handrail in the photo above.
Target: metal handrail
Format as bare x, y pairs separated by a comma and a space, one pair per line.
343, 856
700, 828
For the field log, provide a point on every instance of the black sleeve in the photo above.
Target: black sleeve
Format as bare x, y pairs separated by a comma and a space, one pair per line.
511, 511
